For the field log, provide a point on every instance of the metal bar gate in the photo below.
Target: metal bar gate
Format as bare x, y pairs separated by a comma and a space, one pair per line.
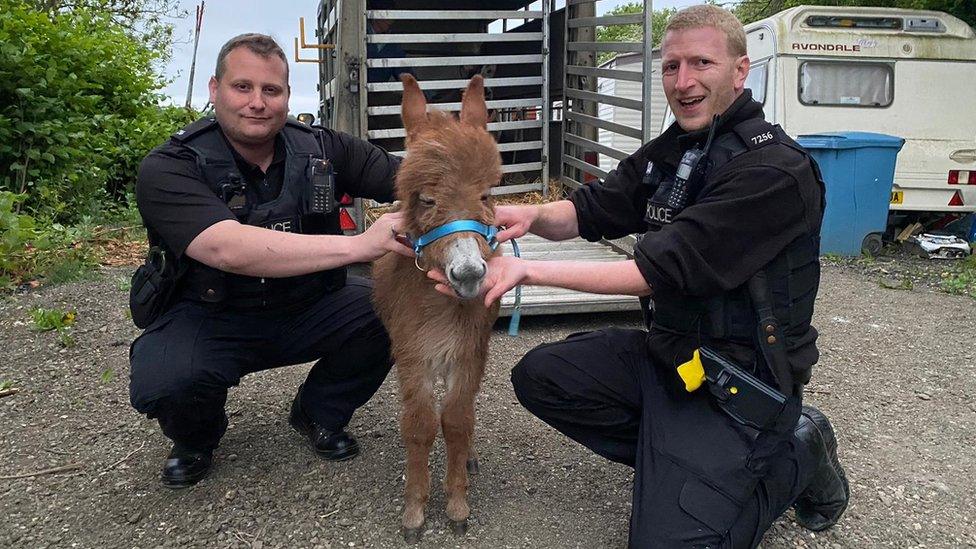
442, 48
588, 132
515, 65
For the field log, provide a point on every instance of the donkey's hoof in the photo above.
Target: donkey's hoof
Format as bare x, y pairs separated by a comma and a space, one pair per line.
473, 467
459, 527
412, 535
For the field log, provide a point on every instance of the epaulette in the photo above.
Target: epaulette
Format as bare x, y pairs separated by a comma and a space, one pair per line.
194, 129
756, 133
746, 136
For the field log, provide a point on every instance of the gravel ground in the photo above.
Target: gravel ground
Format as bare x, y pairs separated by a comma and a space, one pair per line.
896, 376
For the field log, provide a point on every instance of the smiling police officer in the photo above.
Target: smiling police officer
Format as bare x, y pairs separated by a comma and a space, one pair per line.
704, 404
247, 265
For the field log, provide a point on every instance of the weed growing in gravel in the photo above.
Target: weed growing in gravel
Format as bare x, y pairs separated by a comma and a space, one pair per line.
123, 283
46, 320
6, 384
962, 282
107, 375
970, 261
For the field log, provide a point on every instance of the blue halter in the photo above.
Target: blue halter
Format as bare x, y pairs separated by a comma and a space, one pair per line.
459, 226
489, 233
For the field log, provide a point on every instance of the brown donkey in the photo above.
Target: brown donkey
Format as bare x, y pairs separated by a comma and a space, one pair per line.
446, 177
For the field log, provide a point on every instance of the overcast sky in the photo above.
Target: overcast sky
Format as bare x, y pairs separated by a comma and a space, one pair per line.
224, 19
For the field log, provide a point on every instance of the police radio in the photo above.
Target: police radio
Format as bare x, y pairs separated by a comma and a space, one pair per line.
321, 198
691, 171
233, 193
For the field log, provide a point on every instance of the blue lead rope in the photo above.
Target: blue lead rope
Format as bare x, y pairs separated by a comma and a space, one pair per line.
513, 321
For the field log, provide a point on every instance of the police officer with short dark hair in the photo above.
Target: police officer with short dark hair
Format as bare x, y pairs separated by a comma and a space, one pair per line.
242, 208
706, 403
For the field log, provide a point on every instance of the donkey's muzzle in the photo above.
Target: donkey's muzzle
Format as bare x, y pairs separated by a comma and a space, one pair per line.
470, 271
465, 267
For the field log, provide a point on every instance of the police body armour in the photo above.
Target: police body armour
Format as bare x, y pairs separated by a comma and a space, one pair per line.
673, 193
730, 315
305, 204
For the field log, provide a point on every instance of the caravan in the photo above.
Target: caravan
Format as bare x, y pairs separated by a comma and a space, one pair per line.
899, 72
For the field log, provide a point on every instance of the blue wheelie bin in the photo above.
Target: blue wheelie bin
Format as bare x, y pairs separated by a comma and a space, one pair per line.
858, 169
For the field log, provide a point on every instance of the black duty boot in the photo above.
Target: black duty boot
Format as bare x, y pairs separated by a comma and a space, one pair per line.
824, 500
185, 467
331, 445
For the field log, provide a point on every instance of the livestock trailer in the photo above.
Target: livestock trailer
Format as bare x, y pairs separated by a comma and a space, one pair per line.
542, 93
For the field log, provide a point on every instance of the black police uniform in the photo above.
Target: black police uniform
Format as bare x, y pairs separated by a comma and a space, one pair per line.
702, 479
223, 326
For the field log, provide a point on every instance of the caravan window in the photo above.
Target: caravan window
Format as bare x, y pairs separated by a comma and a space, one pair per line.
844, 83
756, 81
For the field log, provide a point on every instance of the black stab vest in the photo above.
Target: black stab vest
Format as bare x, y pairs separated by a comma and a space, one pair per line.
285, 213
793, 275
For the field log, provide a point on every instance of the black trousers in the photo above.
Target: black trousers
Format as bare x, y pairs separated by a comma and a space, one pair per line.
183, 364
701, 479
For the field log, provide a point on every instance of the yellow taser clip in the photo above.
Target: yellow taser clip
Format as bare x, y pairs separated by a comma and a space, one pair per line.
692, 372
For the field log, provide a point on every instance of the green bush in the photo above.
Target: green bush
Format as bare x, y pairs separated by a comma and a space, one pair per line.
29, 250
16, 231
79, 109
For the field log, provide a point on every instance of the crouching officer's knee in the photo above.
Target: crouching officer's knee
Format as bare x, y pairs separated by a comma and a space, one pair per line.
528, 378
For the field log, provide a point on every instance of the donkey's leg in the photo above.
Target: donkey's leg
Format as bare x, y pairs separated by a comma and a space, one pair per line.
418, 427
457, 421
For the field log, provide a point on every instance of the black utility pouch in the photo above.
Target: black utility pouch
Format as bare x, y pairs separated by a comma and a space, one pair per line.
153, 287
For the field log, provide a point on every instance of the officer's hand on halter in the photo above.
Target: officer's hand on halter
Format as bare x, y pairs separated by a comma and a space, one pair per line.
383, 236
504, 273
517, 221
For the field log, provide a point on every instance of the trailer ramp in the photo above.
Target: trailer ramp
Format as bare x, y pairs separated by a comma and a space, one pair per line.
538, 300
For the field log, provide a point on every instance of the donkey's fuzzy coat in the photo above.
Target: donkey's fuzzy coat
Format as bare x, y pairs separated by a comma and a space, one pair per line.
446, 176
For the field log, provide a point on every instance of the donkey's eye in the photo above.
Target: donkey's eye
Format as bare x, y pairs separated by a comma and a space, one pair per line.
484, 197
426, 200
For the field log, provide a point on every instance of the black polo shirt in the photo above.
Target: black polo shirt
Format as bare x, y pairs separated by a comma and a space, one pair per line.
263, 186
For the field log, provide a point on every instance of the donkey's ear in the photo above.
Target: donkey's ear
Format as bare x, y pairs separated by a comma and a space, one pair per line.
473, 109
414, 107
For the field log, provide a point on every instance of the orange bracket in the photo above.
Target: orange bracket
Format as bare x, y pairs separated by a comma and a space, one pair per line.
305, 45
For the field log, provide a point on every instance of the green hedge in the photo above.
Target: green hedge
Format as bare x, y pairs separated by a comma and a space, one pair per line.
79, 108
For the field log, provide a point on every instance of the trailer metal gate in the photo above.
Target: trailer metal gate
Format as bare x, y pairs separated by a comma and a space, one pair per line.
581, 145
514, 62
509, 114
